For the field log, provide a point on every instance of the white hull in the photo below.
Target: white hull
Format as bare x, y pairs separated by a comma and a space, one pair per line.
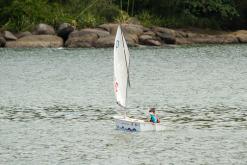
131, 124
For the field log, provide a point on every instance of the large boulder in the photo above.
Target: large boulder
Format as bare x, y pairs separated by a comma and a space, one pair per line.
242, 39
9, 36
181, 34
23, 34
207, 39
195, 35
199, 38
98, 31
111, 28
126, 28
64, 30
146, 39
229, 39
2, 41
167, 38
163, 30
183, 41
108, 41
81, 39
104, 42
152, 42
44, 29
150, 33
132, 29
241, 35
131, 39
36, 41
214, 39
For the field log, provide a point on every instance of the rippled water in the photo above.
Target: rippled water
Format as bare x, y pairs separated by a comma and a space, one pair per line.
56, 106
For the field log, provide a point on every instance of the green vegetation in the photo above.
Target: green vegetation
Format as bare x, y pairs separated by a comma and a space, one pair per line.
19, 15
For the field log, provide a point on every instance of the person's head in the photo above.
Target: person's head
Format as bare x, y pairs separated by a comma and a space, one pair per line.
152, 110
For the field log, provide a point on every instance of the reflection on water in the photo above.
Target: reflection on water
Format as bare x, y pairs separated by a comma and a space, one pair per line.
56, 106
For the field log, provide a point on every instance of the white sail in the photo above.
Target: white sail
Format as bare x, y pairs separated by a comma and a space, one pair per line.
121, 82
121, 68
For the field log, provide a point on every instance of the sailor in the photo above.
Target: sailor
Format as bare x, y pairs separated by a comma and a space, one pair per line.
152, 116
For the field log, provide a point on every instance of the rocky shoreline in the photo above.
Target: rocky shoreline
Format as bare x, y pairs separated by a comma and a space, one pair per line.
103, 36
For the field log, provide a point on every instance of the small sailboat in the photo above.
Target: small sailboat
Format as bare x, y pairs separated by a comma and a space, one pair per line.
121, 84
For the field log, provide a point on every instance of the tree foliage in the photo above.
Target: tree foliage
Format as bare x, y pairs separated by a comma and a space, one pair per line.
25, 14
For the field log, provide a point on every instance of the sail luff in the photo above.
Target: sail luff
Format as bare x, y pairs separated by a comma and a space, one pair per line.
126, 50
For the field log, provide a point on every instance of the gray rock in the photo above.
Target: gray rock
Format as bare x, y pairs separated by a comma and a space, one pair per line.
108, 41
181, 34
36, 41
132, 29
2, 41
9, 36
241, 35
214, 39
242, 39
23, 34
145, 29
149, 33
126, 28
165, 34
81, 39
144, 37
111, 28
230, 39
105, 42
163, 30
183, 41
167, 38
64, 30
204, 40
151, 42
195, 35
44, 29
131, 40
99, 32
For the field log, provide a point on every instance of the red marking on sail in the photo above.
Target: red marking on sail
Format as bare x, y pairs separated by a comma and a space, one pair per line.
116, 86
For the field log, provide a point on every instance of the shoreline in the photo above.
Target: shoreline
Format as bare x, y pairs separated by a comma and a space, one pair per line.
103, 36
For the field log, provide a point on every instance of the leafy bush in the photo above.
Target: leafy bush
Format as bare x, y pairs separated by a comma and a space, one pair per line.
146, 18
86, 20
24, 15
110, 13
123, 17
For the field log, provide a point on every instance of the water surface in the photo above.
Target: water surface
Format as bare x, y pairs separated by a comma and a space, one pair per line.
56, 106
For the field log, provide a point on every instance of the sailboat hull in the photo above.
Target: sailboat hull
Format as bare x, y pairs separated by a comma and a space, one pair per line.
130, 124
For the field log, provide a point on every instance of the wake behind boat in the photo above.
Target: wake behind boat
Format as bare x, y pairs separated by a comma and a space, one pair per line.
121, 83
